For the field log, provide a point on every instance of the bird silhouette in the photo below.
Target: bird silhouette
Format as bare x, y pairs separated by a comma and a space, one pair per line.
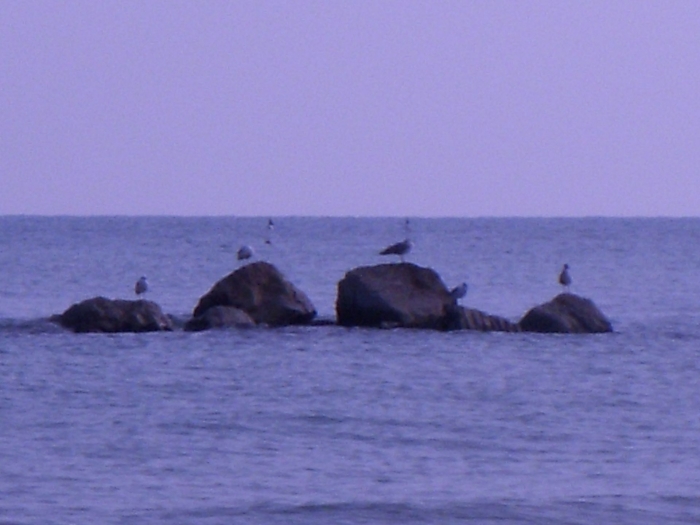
459, 291
270, 227
244, 252
141, 286
565, 278
400, 248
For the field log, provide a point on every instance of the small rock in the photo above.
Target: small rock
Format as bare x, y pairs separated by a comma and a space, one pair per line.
220, 317
100, 314
566, 313
461, 318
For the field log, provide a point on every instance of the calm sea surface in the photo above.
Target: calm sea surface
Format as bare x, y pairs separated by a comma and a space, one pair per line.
326, 425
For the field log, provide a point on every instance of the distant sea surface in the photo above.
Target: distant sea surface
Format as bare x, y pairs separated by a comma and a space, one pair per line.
328, 425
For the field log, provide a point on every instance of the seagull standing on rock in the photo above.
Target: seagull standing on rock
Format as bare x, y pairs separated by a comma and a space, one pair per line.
565, 278
400, 248
141, 286
458, 292
270, 227
244, 252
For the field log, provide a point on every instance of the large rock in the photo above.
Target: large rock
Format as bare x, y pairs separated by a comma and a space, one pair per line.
392, 295
566, 313
100, 314
220, 317
461, 318
261, 291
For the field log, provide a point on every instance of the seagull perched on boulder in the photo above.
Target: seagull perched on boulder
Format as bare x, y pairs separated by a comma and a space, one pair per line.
400, 248
244, 252
565, 278
458, 292
270, 227
141, 286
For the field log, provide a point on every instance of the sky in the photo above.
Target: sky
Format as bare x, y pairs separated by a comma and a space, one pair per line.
358, 108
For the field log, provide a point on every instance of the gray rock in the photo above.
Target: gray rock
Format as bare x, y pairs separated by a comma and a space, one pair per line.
261, 291
566, 313
392, 295
100, 314
461, 318
220, 317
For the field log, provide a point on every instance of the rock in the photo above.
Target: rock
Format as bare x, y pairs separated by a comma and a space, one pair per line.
461, 318
261, 291
392, 295
566, 313
220, 317
100, 314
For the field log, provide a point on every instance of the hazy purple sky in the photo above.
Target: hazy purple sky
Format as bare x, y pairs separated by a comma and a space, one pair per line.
405, 108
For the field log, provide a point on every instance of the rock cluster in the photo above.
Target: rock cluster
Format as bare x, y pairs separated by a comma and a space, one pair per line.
400, 295
407, 296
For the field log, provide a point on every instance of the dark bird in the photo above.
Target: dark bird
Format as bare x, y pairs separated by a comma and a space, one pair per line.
564, 277
141, 286
244, 252
270, 227
459, 291
400, 249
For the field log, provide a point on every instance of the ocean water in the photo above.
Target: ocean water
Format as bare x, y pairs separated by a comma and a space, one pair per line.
328, 425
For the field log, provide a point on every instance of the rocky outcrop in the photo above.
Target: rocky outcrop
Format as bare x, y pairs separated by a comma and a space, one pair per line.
392, 295
219, 317
261, 291
566, 313
100, 314
461, 318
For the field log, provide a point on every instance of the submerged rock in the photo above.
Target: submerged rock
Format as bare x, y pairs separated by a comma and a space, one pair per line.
566, 313
220, 317
262, 292
392, 295
100, 314
461, 318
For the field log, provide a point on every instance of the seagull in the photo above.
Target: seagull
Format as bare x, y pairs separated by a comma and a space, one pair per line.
400, 249
141, 286
270, 227
459, 291
564, 277
244, 252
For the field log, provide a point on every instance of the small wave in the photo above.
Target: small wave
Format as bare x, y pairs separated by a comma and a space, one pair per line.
365, 512
30, 326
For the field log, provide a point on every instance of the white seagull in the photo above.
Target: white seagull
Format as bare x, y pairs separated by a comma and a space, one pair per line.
141, 286
564, 277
